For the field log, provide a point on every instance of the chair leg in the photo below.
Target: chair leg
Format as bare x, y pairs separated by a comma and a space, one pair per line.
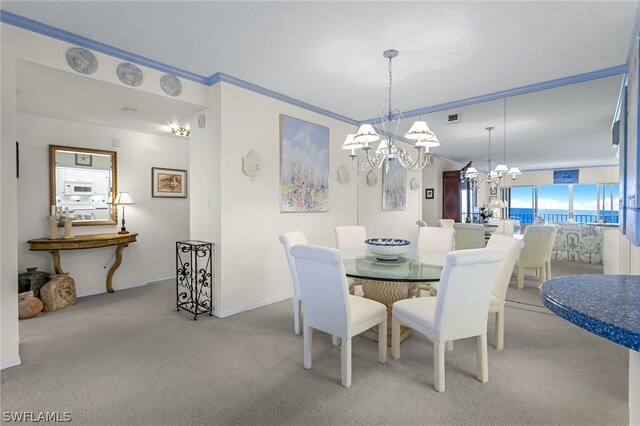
395, 338
548, 264
307, 339
520, 277
542, 276
482, 368
449, 345
297, 315
345, 362
382, 341
438, 365
499, 344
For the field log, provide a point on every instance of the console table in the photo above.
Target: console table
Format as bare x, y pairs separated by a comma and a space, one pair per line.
81, 242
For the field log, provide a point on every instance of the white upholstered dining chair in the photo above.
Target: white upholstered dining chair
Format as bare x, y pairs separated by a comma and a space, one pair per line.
459, 311
434, 239
538, 244
505, 226
469, 235
421, 223
288, 240
510, 248
330, 308
446, 223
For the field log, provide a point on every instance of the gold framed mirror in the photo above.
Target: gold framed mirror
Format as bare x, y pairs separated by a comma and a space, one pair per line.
83, 184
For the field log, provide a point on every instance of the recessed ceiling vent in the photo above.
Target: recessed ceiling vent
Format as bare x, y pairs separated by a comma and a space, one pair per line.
454, 117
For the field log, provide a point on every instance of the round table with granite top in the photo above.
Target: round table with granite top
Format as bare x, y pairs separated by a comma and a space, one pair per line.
605, 305
389, 281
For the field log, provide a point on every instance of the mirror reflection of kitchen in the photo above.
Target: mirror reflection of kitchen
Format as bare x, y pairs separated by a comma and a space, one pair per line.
83, 186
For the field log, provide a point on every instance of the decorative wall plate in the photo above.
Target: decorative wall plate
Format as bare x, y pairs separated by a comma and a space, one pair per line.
82, 60
414, 184
129, 74
171, 85
252, 164
372, 179
343, 175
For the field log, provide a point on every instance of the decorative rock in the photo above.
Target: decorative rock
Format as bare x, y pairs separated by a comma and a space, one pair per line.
58, 293
32, 280
29, 306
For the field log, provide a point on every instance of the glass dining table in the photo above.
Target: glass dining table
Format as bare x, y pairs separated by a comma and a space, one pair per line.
389, 281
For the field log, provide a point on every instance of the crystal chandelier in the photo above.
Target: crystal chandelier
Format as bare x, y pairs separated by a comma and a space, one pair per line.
389, 122
494, 177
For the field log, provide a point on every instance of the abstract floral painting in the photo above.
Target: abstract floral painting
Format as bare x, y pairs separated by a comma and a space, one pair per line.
304, 166
394, 186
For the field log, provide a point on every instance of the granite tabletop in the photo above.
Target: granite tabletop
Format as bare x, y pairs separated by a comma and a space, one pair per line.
606, 305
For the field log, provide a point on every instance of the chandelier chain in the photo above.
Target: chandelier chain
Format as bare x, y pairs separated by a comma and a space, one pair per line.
390, 81
504, 136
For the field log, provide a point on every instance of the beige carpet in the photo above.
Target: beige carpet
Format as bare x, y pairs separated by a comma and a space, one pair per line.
129, 359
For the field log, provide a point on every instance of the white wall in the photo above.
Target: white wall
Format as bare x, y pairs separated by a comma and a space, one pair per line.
252, 266
9, 355
432, 178
608, 174
159, 222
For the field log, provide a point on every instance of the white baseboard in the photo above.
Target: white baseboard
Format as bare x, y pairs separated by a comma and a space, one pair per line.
10, 363
253, 306
125, 287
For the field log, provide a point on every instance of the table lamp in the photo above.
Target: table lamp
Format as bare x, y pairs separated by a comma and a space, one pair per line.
123, 199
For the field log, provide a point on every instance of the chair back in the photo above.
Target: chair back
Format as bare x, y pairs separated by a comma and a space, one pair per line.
421, 223
324, 288
538, 242
289, 240
505, 226
466, 283
350, 237
436, 239
469, 235
510, 248
446, 223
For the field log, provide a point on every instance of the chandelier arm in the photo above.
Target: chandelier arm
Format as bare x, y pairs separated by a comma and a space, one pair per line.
374, 161
365, 166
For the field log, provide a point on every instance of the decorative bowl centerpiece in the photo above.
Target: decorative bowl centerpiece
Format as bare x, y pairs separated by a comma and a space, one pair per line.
387, 248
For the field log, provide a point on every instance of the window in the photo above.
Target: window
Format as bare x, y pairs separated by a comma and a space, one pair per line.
580, 203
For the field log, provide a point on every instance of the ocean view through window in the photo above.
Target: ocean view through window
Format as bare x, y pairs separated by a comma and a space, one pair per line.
579, 203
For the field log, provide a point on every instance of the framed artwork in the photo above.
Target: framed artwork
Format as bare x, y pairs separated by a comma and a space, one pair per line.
429, 194
168, 183
304, 166
493, 191
394, 186
84, 159
565, 176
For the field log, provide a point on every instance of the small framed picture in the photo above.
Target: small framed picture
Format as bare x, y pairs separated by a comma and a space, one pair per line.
428, 193
83, 159
493, 191
168, 183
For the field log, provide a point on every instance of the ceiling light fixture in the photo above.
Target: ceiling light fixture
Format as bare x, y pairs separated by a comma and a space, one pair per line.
494, 177
180, 131
389, 122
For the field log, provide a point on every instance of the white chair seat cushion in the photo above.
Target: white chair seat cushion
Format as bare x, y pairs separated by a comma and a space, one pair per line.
418, 313
494, 304
363, 312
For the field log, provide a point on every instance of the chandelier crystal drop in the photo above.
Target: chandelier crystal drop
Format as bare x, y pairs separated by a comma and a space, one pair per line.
388, 123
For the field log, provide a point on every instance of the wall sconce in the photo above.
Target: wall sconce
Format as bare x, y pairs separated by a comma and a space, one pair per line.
180, 131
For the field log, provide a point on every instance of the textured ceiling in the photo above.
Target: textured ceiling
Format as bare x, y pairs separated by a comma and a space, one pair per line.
329, 54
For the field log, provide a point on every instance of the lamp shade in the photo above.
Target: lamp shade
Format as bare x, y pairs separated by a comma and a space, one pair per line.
350, 142
366, 133
514, 171
419, 130
501, 168
496, 204
124, 198
428, 143
471, 173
